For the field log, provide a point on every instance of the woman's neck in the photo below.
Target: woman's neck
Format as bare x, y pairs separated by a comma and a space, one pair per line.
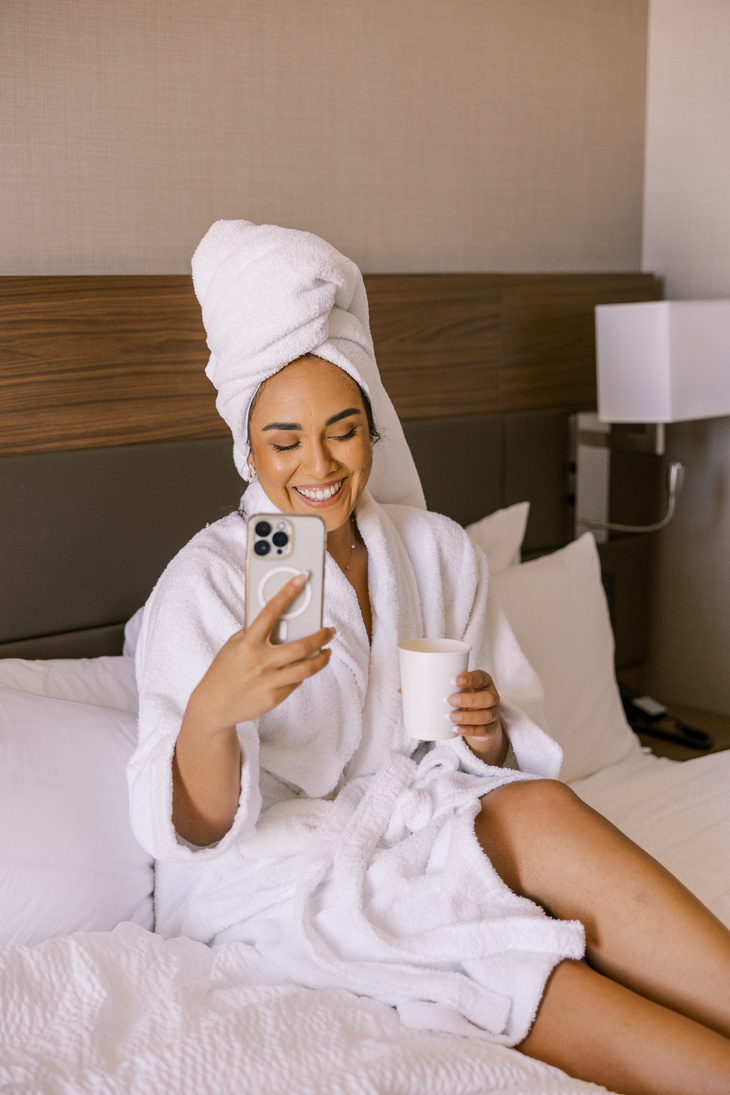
341, 543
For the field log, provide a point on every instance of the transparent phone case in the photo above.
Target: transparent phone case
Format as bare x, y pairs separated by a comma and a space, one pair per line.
280, 546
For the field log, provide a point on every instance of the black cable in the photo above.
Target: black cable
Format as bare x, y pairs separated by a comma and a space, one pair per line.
681, 735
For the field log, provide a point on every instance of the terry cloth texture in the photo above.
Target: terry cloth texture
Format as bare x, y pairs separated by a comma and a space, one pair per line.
352, 861
269, 295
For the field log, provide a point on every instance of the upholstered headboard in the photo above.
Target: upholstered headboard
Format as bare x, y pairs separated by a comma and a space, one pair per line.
112, 454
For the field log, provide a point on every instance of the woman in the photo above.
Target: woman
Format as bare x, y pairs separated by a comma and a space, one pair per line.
275, 784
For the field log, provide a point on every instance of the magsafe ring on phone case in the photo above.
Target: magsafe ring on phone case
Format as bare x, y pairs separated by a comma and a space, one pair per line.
305, 596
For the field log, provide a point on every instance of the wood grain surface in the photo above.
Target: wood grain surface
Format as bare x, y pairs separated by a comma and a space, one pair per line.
89, 362
96, 361
438, 342
548, 324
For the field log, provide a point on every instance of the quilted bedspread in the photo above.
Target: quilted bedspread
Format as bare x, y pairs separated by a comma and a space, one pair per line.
130, 1013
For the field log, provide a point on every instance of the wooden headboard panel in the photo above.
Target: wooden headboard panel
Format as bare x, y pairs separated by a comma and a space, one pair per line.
112, 454
87, 362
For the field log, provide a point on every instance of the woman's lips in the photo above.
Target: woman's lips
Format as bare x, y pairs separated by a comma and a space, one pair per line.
321, 496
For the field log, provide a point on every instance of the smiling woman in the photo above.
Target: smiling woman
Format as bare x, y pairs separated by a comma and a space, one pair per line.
276, 786
312, 450
311, 446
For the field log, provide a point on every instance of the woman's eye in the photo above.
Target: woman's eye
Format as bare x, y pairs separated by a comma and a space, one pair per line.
346, 436
284, 448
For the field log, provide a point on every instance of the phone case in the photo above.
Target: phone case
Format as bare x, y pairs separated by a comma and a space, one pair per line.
279, 546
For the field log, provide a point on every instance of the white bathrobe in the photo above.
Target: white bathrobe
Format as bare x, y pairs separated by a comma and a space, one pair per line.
352, 860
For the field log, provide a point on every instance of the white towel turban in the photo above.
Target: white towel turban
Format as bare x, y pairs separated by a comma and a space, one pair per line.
269, 295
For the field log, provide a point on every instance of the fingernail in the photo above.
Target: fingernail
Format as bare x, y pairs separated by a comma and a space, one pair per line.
461, 680
299, 579
456, 716
453, 700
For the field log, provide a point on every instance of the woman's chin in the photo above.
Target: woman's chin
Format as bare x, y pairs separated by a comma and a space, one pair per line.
334, 517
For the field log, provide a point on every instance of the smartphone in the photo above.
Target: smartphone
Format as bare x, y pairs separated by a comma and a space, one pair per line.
280, 546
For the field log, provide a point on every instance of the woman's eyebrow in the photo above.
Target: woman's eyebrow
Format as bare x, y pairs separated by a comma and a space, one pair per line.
297, 426
342, 414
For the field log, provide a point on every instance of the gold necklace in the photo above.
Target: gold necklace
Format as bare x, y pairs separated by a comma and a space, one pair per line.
352, 545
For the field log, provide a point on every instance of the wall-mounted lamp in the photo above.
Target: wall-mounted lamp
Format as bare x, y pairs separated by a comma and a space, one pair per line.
657, 362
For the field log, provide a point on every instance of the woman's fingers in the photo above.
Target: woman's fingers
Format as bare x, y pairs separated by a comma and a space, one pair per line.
263, 625
477, 703
470, 719
291, 675
249, 676
472, 701
477, 719
286, 653
476, 678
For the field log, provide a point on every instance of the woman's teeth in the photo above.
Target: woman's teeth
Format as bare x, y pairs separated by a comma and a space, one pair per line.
323, 494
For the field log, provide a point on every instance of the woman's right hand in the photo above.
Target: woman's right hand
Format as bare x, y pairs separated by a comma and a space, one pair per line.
250, 676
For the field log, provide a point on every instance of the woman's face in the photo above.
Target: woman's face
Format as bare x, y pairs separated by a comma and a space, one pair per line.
310, 442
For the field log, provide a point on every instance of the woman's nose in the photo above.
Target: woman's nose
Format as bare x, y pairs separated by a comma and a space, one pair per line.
322, 460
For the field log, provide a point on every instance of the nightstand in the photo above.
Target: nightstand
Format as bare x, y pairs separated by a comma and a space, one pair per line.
715, 724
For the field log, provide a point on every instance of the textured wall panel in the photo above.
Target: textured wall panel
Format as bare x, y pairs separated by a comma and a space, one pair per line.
416, 136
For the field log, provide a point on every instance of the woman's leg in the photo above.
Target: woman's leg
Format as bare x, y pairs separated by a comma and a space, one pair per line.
660, 983
597, 1030
643, 928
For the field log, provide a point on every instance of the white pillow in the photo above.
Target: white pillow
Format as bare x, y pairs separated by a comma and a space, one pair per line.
558, 611
107, 681
131, 633
500, 535
68, 859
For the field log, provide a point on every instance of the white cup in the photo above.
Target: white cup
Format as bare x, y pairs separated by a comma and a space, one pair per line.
428, 672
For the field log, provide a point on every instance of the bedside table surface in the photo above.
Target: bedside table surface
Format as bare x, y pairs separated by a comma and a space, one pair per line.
718, 726
713, 723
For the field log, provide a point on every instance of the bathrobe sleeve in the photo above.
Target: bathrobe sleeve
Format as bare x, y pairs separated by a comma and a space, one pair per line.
196, 606
495, 648
457, 600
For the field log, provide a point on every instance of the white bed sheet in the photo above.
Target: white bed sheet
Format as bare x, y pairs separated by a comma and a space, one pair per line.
678, 811
126, 1011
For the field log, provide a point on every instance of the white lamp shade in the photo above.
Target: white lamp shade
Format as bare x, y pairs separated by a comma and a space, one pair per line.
663, 361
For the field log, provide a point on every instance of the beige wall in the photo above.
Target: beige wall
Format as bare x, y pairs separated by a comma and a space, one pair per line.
416, 135
687, 239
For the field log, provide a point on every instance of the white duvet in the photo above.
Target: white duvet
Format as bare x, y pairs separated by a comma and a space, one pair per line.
678, 812
128, 1012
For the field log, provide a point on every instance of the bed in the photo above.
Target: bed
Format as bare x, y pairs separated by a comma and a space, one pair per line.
111, 457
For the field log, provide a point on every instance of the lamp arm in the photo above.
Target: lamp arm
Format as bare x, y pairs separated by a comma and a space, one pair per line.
675, 480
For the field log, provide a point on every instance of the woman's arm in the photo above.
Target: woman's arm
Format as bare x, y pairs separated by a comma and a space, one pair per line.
206, 781
248, 677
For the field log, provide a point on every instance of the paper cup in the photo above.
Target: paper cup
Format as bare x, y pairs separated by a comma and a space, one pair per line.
428, 672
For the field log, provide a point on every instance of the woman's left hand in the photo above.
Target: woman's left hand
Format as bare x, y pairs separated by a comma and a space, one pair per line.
476, 716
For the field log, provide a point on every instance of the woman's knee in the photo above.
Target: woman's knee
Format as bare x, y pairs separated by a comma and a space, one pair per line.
530, 798
514, 822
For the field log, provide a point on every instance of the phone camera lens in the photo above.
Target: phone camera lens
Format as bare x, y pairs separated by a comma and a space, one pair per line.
263, 528
280, 538
262, 547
